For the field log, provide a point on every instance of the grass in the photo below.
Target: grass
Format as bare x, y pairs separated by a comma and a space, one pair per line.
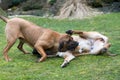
24, 67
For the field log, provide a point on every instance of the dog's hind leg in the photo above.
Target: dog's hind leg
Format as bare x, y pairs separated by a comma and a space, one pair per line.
20, 47
11, 36
10, 43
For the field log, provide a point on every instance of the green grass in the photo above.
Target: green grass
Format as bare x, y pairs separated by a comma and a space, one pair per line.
24, 67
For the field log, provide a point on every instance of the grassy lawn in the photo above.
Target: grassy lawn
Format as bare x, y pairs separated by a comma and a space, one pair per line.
90, 67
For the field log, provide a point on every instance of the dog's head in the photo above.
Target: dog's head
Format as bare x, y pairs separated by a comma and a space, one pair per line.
67, 43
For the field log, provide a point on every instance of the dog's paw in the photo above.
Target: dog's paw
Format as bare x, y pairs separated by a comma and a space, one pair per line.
41, 59
65, 63
9, 59
70, 32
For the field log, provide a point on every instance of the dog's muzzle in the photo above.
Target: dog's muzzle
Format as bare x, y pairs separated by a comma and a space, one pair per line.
70, 45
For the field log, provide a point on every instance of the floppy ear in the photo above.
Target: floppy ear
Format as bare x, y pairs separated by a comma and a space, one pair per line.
61, 46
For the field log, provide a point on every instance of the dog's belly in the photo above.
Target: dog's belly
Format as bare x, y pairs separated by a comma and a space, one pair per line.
97, 46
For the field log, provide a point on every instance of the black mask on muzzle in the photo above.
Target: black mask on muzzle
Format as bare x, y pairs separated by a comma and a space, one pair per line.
72, 45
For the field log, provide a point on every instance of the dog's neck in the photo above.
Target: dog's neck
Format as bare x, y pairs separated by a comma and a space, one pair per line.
59, 36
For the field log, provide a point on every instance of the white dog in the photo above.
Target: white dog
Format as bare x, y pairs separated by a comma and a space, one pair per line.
89, 43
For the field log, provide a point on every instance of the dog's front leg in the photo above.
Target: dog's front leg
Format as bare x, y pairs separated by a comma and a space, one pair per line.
67, 59
41, 52
64, 64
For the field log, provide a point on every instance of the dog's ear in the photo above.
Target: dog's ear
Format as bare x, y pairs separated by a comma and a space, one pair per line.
61, 47
61, 44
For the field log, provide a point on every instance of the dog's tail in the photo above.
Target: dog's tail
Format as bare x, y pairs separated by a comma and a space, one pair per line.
4, 18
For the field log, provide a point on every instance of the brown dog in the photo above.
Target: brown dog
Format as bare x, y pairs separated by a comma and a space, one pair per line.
37, 37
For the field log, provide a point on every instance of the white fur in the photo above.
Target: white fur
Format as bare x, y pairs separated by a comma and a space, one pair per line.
96, 47
95, 35
83, 43
67, 55
90, 44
